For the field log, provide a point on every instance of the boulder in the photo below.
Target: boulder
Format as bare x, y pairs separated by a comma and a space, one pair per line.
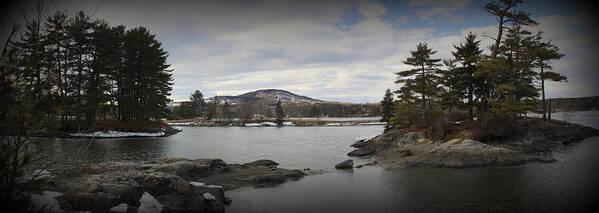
367, 150
263, 162
347, 164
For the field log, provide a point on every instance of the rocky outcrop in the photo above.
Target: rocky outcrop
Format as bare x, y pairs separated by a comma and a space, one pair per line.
361, 143
177, 185
347, 164
413, 149
364, 151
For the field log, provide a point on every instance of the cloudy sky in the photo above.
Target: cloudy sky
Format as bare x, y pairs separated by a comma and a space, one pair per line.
337, 51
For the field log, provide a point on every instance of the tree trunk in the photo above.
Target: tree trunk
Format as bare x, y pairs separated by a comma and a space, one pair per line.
499, 34
543, 92
423, 94
549, 116
471, 100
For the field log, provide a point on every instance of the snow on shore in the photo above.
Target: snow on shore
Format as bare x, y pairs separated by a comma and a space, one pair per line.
117, 134
287, 123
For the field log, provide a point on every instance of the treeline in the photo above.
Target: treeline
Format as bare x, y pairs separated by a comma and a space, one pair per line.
80, 69
505, 83
575, 104
197, 107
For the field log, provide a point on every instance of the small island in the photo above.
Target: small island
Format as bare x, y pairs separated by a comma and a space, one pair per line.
520, 141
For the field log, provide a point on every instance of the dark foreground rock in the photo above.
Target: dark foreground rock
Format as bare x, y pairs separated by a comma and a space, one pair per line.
399, 148
347, 164
170, 185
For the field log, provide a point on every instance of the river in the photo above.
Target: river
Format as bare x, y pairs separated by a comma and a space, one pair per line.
568, 185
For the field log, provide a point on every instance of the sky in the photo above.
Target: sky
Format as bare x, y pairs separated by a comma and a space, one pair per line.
333, 50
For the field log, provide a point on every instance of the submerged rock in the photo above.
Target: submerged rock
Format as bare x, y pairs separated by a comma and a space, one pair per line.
347, 164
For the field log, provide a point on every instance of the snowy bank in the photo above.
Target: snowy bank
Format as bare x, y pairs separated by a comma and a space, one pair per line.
117, 134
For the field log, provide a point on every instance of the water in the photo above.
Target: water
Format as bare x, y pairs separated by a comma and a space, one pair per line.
568, 185
291, 147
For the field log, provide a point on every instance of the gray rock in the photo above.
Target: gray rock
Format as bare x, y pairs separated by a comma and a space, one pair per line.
347, 164
411, 137
361, 143
367, 150
263, 162
405, 153
269, 179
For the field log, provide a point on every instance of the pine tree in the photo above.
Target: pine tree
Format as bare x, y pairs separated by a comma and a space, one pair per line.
462, 79
387, 107
423, 79
544, 54
56, 42
147, 80
505, 13
280, 114
197, 103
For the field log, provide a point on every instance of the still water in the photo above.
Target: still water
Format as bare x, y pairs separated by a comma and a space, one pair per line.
568, 185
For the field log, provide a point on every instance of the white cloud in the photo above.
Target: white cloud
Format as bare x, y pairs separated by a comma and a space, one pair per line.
228, 49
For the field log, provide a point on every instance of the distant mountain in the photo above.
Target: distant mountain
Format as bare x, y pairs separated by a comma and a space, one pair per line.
267, 95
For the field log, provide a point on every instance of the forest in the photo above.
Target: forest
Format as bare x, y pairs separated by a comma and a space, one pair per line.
60, 71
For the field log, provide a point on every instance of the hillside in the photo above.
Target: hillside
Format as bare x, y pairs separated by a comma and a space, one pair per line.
268, 96
260, 104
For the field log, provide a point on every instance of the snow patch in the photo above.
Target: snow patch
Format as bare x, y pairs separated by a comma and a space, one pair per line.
214, 186
208, 196
373, 123
269, 123
197, 184
149, 204
183, 124
116, 134
177, 128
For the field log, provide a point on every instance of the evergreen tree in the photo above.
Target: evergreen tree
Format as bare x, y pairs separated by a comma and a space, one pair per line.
505, 13
387, 107
197, 103
463, 80
147, 80
423, 79
406, 113
56, 42
280, 114
545, 53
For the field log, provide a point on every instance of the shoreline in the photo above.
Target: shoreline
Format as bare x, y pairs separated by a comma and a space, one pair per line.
271, 122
